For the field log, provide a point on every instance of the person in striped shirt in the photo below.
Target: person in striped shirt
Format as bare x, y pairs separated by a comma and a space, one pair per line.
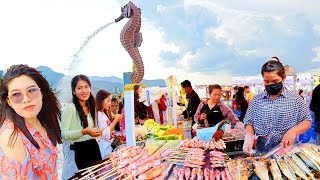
277, 115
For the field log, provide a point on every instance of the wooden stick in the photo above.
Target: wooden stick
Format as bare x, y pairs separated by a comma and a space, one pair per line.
128, 177
117, 176
107, 175
98, 168
95, 172
159, 147
112, 174
92, 167
174, 160
174, 157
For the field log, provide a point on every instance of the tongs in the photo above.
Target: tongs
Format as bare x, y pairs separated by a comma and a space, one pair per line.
159, 147
269, 153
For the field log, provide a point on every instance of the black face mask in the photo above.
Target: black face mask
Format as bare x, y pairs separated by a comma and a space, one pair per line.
275, 88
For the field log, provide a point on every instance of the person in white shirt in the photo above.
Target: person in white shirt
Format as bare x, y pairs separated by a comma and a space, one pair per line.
105, 121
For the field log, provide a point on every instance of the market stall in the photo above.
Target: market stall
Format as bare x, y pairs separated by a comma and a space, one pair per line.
174, 158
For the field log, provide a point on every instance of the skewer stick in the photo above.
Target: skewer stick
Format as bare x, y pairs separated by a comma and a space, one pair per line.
128, 177
107, 175
174, 160
109, 172
94, 170
92, 167
114, 173
97, 171
159, 147
117, 176
173, 157
104, 175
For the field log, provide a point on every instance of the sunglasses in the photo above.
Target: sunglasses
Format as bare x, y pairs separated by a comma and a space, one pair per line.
272, 66
31, 93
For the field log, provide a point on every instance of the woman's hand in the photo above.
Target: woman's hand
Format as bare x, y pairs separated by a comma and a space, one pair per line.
93, 132
288, 138
206, 123
203, 116
118, 117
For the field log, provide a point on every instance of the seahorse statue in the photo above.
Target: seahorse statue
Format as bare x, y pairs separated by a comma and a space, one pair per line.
131, 39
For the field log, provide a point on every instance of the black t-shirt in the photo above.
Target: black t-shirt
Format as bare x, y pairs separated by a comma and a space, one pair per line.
192, 105
214, 115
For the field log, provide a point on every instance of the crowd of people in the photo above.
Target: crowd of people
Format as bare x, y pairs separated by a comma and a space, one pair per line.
32, 123
274, 117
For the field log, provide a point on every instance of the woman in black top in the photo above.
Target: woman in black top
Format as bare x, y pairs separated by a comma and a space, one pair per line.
139, 107
240, 104
315, 107
213, 111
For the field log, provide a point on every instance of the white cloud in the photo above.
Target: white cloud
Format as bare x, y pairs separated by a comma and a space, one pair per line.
317, 28
49, 33
221, 77
317, 57
268, 7
161, 8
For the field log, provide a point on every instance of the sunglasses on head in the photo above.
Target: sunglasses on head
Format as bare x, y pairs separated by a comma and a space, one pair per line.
31, 93
271, 66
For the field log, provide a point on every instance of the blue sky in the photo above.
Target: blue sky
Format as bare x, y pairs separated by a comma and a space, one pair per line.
206, 41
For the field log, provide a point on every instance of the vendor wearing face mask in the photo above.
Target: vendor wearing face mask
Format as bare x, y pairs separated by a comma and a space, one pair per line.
276, 116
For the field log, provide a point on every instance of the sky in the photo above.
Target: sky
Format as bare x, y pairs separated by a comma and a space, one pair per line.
205, 41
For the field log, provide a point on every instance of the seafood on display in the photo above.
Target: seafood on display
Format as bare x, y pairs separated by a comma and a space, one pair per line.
274, 169
131, 162
154, 172
295, 168
195, 158
200, 162
217, 159
261, 170
312, 154
285, 169
210, 145
203, 174
238, 169
301, 165
309, 161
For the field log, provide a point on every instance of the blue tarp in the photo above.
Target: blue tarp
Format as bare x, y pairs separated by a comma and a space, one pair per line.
206, 134
310, 134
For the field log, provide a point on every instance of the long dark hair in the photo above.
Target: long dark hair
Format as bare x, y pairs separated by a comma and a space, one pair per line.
49, 114
100, 97
241, 102
90, 102
135, 90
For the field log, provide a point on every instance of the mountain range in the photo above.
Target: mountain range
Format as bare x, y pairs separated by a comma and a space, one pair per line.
61, 83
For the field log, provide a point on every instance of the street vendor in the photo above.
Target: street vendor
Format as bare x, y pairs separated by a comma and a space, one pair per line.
213, 111
277, 115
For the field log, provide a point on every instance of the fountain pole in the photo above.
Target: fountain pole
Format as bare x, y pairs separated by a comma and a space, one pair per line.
131, 40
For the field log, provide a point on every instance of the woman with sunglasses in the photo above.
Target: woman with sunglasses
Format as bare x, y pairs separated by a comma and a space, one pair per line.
78, 125
29, 125
276, 116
